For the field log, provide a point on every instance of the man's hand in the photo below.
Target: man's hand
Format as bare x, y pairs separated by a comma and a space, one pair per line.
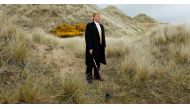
90, 51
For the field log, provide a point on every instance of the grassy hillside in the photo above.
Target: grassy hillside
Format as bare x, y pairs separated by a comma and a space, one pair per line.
143, 18
156, 69
50, 16
38, 67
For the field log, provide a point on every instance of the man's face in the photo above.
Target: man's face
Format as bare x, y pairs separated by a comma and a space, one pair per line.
97, 18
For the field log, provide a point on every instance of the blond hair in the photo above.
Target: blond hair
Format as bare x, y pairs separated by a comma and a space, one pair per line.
94, 14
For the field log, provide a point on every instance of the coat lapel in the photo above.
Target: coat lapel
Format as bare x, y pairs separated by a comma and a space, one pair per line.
97, 29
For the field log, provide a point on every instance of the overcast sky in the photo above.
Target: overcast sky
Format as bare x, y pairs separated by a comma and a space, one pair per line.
163, 13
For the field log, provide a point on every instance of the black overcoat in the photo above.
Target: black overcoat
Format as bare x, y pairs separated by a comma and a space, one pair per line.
92, 40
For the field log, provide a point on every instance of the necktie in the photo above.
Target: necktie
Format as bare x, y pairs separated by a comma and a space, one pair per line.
100, 37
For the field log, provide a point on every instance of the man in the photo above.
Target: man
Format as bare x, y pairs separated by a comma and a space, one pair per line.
95, 47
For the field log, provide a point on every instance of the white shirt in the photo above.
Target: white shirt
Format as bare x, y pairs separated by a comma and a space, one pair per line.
99, 30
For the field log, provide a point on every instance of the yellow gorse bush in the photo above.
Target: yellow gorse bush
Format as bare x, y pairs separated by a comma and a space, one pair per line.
69, 30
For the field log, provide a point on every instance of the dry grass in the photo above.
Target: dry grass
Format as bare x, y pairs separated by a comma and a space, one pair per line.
46, 16
116, 47
143, 18
15, 44
141, 72
77, 45
37, 79
171, 43
151, 68
157, 71
40, 36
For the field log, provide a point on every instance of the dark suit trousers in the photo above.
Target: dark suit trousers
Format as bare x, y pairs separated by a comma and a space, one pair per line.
89, 71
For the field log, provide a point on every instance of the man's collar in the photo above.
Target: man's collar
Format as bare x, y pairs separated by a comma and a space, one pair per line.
96, 22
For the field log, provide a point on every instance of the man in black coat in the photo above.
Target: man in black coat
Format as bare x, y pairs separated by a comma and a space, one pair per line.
95, 47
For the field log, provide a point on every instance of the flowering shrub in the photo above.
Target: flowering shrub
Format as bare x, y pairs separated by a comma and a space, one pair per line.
68, 30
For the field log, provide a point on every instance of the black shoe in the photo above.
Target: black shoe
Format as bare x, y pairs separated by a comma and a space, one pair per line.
89, 81
99, 79
96, 78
